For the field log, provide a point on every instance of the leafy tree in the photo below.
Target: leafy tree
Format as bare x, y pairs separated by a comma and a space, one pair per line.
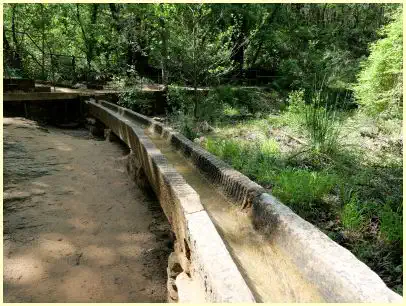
380, 83
196, 54
291, 44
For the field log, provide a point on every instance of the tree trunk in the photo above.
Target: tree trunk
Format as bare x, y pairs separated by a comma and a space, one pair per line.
194, 69
115, 13
238, 51
268, 22
17, 61
164, 52
88, 57
239, 43
43, 43
261, 43
6, 45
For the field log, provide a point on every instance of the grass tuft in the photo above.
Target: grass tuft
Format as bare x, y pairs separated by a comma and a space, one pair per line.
351, 215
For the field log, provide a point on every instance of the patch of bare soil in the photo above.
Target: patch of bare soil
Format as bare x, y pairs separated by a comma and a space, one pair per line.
76, 229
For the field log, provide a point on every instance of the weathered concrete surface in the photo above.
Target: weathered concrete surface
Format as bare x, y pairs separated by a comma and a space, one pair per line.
234, 184
268, 271
200, 252
18, 84
338, 274
38, 96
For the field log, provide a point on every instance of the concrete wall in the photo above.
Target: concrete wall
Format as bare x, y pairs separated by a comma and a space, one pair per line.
335, 271
200, 269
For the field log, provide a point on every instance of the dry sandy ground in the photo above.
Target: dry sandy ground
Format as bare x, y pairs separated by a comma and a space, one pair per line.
76, 229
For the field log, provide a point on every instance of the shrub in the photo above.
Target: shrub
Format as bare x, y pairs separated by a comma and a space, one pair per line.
135, 100
232, 111
296, 102
248, 100
11, 72
211, 109
379, 87
219, 103
391, 224
231, 151
256, 160
184, 123
179, 100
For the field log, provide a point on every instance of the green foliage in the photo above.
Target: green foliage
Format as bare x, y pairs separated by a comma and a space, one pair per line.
202, 44
387, 259
187, 129
251, 99
184, 123
380, 82
391, 226
293, 114
179, 99
211, 109
12, 73
321, 125
270, 147
220, 103
213, 147
296, 102
136, 100
257, 159
302, 189
230, 151
198, 54
351, 215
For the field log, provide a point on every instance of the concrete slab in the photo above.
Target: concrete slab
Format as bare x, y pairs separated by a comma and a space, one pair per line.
201, 251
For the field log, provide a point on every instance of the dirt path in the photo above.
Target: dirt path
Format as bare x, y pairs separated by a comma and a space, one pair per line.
76, 229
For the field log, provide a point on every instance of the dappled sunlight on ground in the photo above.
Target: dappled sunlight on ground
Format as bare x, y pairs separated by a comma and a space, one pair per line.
23, 269
77, 230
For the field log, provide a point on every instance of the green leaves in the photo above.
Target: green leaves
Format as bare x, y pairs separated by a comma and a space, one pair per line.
379, 89
391, 224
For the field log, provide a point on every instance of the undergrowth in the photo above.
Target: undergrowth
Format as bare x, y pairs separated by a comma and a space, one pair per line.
331, 179
341, 170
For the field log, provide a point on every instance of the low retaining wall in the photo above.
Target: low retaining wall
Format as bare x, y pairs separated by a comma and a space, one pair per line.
10, 84
201, 260
335, 271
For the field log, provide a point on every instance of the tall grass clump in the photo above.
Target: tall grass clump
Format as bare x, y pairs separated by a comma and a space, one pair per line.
269, 147
295, 186
351, 215
321, 124
257, 160
231, 151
